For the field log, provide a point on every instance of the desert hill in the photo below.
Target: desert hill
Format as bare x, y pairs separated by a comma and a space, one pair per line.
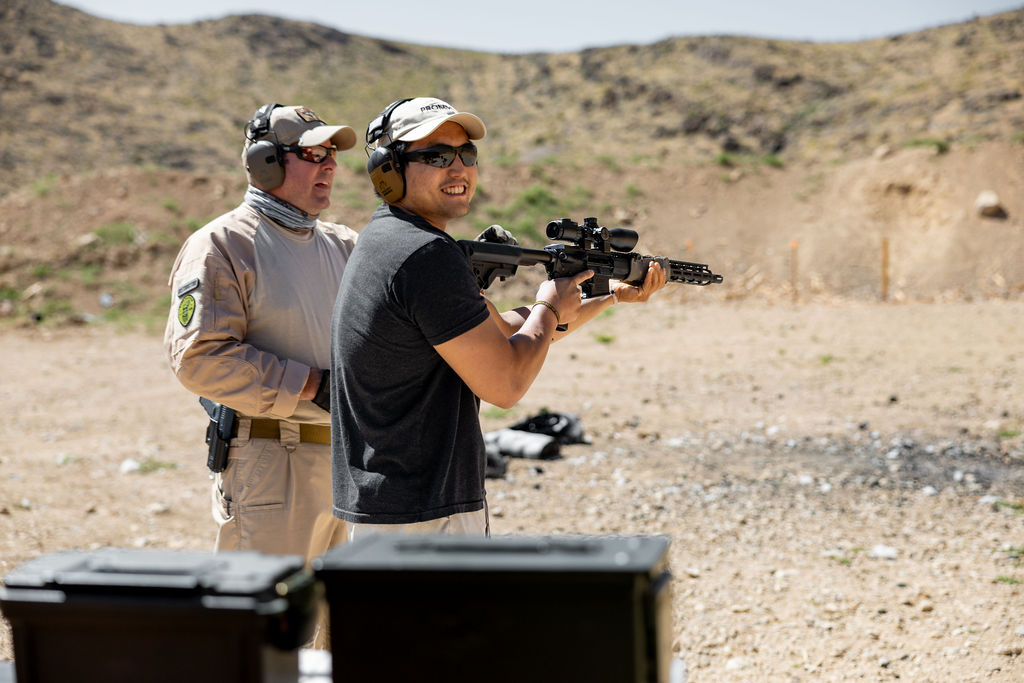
790, 167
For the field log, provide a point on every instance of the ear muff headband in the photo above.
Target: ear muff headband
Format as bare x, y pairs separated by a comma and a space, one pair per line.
264, 159
384, 164
259, 126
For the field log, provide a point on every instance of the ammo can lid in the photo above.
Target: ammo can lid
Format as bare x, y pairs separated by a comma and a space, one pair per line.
447, 553
182, 573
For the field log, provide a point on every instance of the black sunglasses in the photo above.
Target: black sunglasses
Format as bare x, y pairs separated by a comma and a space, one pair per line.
443, 156
315, 155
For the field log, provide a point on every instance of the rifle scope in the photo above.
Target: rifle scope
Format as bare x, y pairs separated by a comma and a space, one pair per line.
591, 235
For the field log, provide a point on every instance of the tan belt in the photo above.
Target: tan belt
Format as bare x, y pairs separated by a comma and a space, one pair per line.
271, 429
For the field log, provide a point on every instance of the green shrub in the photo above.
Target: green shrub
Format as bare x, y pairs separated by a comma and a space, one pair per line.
495, 413
116, 233
90, 274
725, 159
940, 146
608, 161
44, 186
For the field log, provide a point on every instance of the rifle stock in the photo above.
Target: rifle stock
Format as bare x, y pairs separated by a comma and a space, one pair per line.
491, 260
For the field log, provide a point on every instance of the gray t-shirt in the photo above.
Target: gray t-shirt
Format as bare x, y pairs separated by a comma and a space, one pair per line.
407, 445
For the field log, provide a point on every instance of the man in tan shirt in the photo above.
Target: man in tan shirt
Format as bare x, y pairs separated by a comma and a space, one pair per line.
249, 328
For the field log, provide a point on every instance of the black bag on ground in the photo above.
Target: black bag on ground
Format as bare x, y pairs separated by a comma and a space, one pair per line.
565, 427
514, 443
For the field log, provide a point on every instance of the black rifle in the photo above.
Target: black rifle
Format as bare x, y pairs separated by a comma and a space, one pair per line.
608, 252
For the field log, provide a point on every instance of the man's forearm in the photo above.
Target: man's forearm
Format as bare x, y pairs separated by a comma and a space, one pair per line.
512, 321
588, 311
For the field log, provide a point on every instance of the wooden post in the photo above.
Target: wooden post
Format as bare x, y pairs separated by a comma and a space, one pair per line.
793, 246
885, 268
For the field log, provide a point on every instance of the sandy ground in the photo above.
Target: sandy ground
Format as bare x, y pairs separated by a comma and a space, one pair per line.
842, 484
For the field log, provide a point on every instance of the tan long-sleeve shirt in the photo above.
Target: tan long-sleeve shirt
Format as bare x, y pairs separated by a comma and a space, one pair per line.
251, 306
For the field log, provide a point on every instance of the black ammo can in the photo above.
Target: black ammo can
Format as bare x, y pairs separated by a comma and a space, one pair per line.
159, 616
503, 609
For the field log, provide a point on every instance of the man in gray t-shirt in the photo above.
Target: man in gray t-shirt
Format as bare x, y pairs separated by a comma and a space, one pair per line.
415, 346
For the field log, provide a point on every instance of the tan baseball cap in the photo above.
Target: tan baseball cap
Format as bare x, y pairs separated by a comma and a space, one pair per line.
298, 125
421, 116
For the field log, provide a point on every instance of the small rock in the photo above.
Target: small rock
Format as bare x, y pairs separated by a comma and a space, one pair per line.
33, 290
988, 205
736, 664
129, 465
86, 240
883, 552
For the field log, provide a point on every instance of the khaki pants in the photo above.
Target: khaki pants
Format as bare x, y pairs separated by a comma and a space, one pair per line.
466, 523
275, 497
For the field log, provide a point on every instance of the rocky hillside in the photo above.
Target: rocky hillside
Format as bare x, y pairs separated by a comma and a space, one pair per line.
95, 94
786, 165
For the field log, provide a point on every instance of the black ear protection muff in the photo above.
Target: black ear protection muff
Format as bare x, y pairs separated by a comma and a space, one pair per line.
264, 159
385, 164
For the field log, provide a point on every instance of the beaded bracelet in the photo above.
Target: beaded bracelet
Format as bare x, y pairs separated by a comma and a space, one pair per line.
558, 318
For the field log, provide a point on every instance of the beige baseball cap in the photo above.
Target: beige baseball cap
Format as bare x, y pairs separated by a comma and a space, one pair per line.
421, 116
298, 125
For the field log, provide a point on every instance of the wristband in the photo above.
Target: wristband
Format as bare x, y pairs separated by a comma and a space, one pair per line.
558, 318
615, 297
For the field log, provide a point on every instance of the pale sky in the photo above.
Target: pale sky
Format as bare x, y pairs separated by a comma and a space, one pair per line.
521, 26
